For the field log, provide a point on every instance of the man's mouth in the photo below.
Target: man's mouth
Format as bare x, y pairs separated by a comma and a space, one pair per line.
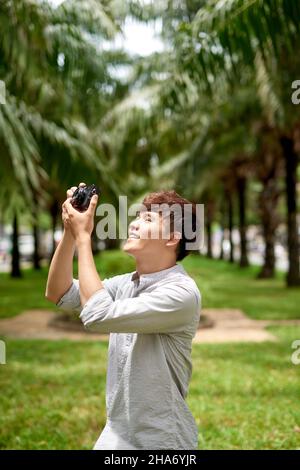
134, 235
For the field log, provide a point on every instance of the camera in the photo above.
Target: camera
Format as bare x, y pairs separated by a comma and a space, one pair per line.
82, 196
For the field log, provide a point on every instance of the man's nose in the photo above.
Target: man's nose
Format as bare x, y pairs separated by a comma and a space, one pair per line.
134, 225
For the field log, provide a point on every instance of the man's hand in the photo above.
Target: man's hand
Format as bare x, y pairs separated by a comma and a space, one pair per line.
64, 214
80, 224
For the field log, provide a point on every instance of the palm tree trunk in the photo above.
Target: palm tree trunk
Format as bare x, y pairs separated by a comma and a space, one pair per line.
268, 269
230, 226
36, 254
35, 232
241, 191
209, 241
268, 203
222, 225
290, 158
54, 214
15, 266
221, 255
112, 243
210, 211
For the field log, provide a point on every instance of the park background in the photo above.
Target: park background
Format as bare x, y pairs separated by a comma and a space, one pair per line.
197, 96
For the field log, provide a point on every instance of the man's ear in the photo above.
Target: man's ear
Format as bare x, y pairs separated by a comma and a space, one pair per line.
175, 236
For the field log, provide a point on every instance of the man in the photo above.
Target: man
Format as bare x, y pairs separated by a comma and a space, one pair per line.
152, 316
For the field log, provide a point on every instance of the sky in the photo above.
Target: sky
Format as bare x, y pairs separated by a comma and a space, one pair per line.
138, 38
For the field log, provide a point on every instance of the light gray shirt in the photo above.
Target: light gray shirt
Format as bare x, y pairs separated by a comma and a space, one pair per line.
152, 320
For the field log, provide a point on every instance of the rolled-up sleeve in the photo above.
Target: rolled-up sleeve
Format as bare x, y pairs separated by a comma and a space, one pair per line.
167, 309
71, 299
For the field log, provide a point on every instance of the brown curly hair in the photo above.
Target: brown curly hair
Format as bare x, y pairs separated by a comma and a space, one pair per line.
170, 198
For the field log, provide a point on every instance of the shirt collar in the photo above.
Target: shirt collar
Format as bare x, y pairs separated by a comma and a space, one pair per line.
151, 277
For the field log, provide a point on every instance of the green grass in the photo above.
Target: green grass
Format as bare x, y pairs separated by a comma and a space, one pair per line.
225, 285
52, 394
22, 294
28, 292
243, 396
222, 285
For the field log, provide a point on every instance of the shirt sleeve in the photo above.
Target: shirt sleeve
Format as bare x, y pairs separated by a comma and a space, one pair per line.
167, 309
112, 284
71, 299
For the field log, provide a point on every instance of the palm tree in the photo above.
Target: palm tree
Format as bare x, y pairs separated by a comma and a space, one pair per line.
52, 66
269, 170
229, 41
269, 30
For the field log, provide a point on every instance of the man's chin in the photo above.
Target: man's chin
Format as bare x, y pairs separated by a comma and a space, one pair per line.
130, 246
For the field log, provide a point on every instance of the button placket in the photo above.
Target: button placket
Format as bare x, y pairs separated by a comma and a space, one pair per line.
128, 340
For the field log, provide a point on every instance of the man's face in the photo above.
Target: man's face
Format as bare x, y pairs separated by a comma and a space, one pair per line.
147, 234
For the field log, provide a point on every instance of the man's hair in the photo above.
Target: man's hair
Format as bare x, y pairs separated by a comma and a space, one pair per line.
169, 198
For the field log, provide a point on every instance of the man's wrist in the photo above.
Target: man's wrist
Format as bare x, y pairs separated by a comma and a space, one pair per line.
83, 239
67, 235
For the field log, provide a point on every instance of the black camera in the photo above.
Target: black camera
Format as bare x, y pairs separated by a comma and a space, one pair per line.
82, 196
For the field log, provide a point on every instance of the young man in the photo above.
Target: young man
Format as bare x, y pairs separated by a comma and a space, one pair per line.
152, 316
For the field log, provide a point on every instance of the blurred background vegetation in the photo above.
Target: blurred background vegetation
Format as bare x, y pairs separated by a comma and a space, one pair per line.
210, 113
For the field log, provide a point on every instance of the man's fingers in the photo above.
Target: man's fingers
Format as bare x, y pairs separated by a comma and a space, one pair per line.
69, 209
93, 203
94, 200
65, 203
68, 206
65, 215
70, 191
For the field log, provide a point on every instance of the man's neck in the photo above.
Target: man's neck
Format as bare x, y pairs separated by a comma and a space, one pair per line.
146, 266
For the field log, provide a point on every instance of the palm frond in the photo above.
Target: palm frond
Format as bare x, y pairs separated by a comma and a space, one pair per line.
20, 154
91, 15
248, 25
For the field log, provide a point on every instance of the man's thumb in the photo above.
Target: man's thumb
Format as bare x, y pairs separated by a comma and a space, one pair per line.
93, 203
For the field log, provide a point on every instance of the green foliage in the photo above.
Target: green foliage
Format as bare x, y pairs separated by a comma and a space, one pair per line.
57, 80
111, 263
249, 25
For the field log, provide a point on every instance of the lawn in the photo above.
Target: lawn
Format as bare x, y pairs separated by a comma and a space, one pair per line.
224, 285
243, 396
221, 284
28, 292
